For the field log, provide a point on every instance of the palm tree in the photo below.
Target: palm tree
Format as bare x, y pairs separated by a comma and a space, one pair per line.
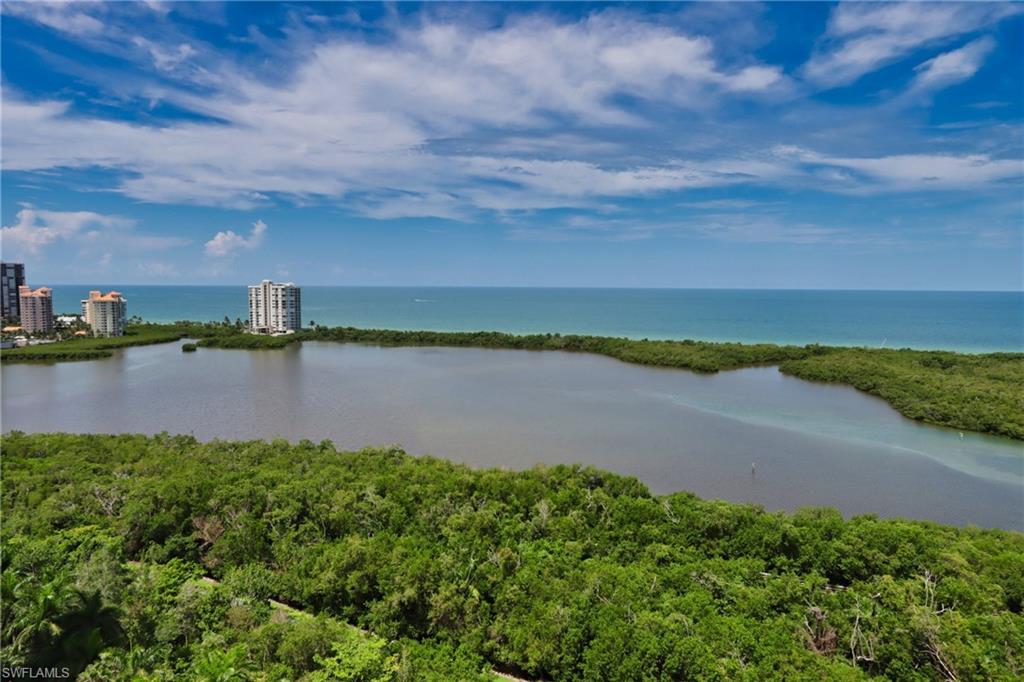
118, 664
222, 666
36, 609
85, 629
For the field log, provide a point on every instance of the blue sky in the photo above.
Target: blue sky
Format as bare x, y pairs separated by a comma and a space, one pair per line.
792, 145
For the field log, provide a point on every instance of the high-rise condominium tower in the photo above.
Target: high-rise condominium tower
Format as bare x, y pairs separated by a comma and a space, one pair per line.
274, 308
12, 276
35, 309
105, 313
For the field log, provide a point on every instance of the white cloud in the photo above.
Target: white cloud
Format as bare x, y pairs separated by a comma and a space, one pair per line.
755, 79
953, 67
407, 205
165, 58
719, 204
361, 119
239, 166
36, 229
68, 17
450, 120
307, 157
864, 37
741, 226
581, 179
767, 230
910, 172
586, 228
227, 242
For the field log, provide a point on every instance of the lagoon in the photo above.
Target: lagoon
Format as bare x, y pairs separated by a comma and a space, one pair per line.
809, 444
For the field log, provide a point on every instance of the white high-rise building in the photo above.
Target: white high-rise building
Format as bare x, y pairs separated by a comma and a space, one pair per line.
105, 313
274, 308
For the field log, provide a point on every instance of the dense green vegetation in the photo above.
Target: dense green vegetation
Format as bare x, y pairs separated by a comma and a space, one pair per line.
137, 333
972, 392
565, 573
700, 356
969, 392
248, 341
91, 348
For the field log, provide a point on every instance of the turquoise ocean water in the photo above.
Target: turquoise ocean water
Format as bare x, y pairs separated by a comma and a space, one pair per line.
964, 321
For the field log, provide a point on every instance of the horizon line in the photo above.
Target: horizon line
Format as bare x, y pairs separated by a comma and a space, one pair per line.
562, 287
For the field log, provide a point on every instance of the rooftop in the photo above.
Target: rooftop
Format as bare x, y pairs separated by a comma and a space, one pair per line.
109, 296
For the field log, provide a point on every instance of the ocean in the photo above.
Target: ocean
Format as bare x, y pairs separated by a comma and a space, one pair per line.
961, 321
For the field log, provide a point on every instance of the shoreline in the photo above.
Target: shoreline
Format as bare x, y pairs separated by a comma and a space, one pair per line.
574, 465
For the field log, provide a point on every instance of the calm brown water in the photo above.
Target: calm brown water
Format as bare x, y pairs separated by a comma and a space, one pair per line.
812, 444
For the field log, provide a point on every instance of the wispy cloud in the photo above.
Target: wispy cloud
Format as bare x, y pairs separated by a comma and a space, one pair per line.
739, 226
165, 58
456, 120
588, 228
36, 229
157, 269
73, 18
361, 119
720, 204
754, 229
241, 166
952, 67
864, 37
905, 172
